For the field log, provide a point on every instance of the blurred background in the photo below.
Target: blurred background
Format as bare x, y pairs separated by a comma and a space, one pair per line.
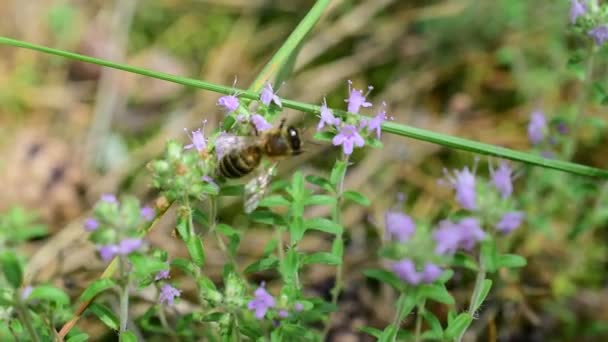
70, 131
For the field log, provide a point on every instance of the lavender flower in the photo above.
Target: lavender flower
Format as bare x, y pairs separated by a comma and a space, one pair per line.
129, 245
501, 179
298, 306
230, 103
107, 252
599, 34
447, 238
147, 213
406, 270
537, 127
348, 137
510, 221
327, 117
260, 123
168, 294
356, 99
163, 274
109, 198
577, 9
261, 303
399, 226
463, 182
431, 272
283, 313
375, 123
91, 224
27, 291
198, 140
210, 181
268, 95
470, 232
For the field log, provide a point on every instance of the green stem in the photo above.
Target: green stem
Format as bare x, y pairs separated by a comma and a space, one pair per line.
481, 276
25, 318
419, 316
124, 296
290, 45
397, 319
388, 127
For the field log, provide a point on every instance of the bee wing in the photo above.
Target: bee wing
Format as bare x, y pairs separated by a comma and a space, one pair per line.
256, 188
226, 143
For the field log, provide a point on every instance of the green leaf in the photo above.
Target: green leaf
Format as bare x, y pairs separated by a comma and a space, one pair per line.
97, 287
78, 337
388, 334
184, 265
49, 293
274, 201
482, 294
232, 190
323, 258
436, 292
324, 225
337, 172
296, 190
290, 266
267, 217
356, 197
269, 262
182, 227
434, 324
511, 261
196, 250
457, 326
320, 200
384, 276
376, 333
296, 230
145, 266
388, 127
128, 336
105, 315
319, 181
465, 261
233, 235
324, 136
489, 255
11, 267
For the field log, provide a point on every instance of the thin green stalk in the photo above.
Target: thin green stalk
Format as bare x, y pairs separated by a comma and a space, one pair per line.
124, 296
481, 276
397, 319
388, 127
25, 318
419, 315
291, 44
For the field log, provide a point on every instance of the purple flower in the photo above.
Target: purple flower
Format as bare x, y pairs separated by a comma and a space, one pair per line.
107, 252
327, 117
510, 221
399, 226
283, 313
375, 123
356, 99
447, 237
298, 306
463, 182
210, 181
268, 95
537, 127
27, 291
109, 198
599, 34
147, 213
229, 102
168, 294
406, 270
261, 303
91, 224
260, 123
198, 140
163, 274
129, 245
470, 232
347, 137
501, 179
431, 272
577, 9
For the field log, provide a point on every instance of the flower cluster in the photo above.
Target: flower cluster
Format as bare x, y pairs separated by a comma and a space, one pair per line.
350, 132
264, 301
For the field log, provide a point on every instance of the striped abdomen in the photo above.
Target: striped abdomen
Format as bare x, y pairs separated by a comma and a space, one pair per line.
239, 163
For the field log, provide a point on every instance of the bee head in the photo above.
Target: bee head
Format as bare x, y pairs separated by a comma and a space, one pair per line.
293, 137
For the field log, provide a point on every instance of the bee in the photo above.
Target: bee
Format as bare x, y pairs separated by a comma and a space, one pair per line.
241, 155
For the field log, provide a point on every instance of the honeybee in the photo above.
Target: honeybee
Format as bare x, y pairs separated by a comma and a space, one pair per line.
241, 155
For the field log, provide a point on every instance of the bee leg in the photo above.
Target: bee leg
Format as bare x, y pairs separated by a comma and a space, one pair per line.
282, 123
255, 129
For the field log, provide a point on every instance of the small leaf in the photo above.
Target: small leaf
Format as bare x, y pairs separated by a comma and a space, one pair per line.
196, 251
11, 267
324, 136
296, 230
97, 287
319, 181
274, 201
320, 200
436, 292
434, 323
267, 217
376, 333
127, 336
50, 294
384, 276
356, 197
324, 225
323, 258
482, 294
78, 337
489, 255
105, 315
458, 326
337, 172
269, 262
465, 261
184, 265
232, 190
511, 261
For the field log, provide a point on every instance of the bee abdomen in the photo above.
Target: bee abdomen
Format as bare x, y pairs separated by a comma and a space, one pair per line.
239, 163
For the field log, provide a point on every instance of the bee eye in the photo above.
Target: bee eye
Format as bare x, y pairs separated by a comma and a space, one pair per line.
294, 139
